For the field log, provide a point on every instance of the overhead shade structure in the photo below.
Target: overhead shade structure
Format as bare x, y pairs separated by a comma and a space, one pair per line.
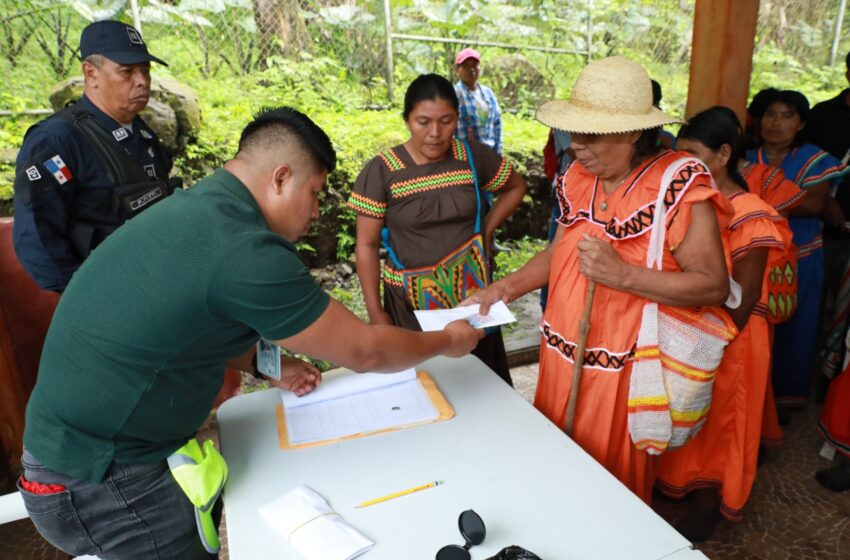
722, 55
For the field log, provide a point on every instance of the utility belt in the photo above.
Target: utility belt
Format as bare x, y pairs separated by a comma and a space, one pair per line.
455, 277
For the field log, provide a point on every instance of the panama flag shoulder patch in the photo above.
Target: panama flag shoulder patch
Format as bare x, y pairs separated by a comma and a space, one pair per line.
59, 170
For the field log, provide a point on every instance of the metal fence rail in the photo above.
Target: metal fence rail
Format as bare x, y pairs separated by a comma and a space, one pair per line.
382, 43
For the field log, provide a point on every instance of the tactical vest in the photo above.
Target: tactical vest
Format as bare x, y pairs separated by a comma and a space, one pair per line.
132, 189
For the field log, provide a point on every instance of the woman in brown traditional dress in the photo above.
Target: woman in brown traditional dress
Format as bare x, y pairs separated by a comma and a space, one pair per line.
422, 201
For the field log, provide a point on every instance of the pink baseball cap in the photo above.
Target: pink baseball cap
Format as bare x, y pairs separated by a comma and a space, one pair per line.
466, 54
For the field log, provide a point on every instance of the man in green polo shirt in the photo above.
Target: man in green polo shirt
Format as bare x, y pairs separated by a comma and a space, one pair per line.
141, 338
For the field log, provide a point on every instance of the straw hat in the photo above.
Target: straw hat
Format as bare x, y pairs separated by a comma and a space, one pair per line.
610, 95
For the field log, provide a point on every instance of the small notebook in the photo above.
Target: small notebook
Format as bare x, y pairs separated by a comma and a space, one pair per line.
355, 405
311, 526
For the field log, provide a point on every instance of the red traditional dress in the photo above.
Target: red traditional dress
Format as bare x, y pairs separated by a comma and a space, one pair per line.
725, 452
624, 219
774, 188
834, 424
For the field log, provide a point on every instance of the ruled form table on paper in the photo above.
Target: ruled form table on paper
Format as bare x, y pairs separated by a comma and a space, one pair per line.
366, 411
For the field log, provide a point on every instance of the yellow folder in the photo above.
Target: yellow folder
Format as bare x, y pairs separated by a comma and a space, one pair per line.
444, 412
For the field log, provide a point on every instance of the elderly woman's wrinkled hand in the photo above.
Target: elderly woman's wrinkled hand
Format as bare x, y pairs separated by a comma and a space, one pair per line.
601, 262
488, 296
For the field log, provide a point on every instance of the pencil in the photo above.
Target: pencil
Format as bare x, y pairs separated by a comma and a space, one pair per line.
399, 494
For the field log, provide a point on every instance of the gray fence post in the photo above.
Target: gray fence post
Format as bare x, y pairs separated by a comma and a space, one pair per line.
388, 29
137, 20
839, 20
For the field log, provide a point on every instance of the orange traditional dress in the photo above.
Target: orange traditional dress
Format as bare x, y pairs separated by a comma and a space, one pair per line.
725, 452
774, 188
624, 219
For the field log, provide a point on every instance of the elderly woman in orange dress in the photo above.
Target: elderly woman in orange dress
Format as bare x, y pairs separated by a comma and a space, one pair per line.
719, 465
608, 198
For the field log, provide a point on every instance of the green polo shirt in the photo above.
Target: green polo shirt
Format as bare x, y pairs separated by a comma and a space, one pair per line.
137, 349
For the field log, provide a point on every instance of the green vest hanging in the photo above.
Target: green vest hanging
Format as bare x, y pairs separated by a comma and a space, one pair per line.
201, 475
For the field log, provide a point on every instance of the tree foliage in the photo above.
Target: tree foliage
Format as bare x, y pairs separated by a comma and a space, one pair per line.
328, 58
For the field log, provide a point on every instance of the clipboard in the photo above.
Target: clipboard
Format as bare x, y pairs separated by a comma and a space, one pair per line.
444, 412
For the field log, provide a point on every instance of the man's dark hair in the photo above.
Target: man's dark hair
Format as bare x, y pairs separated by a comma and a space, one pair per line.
272, 125
428, 87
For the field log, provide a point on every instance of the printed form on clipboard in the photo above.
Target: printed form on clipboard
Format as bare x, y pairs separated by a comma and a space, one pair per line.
354, 405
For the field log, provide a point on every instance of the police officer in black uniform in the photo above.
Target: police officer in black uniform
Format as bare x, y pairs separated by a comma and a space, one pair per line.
84, 171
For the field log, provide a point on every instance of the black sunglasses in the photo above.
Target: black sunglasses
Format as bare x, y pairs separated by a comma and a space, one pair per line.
473, 531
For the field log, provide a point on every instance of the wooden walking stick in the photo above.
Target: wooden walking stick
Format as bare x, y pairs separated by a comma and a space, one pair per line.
578, 362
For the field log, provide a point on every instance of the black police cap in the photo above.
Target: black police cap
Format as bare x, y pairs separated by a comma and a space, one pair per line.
116, 41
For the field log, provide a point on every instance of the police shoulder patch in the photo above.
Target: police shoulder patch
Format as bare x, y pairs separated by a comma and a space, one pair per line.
33, 174
57, 167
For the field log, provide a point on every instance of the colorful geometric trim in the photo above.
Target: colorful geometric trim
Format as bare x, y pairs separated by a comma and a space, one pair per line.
457, 276
756, 242
772, 182
393, 277
826, 175
501, 178
461, 177
759, 310
459, 150
365, 205
641, 220
391, 159
793, 201
596, 358
761, 214
842, 448
809, 248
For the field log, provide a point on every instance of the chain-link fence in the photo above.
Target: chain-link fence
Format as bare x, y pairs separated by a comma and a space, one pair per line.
213, 38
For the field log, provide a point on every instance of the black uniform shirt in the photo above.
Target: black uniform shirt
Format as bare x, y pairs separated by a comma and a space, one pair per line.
58, 173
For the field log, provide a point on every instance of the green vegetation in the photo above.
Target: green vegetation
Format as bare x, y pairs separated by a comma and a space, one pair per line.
332, 64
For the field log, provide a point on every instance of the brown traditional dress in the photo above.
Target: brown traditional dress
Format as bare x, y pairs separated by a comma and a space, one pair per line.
429, 210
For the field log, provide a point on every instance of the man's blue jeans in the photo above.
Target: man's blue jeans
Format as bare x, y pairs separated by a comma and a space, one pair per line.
137, 511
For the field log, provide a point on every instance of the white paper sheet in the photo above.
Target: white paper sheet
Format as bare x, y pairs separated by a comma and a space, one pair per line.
365, 408
437, 319
341, 385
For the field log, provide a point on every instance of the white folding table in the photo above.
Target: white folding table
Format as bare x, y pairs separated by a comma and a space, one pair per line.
532, 485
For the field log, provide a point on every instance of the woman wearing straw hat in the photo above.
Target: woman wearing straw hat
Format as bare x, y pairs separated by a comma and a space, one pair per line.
607, 197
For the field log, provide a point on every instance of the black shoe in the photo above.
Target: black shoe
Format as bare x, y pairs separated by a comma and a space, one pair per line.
698, 524
836, 479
